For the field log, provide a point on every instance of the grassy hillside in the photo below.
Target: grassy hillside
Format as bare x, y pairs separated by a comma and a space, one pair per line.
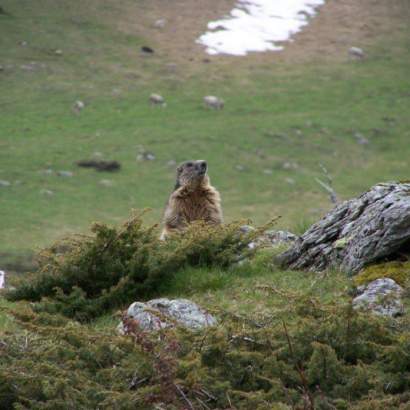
282, 118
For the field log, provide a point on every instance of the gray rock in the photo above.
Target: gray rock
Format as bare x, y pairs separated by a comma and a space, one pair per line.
163, 313
361, 139
160, 23
356, 233
106, 182
356, 52
4, 183
145, 156
46, 192
382, 296
78, 106
213, 102
58, 52
289, 165
156, 99
269, 238
279, 237
67, 174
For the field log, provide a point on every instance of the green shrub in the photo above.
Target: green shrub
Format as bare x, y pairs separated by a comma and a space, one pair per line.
85, 276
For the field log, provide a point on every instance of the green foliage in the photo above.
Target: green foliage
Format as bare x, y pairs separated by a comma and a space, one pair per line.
328, 357
86, 276
396, 270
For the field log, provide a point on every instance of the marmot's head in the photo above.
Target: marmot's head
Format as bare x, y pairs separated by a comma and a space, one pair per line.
191, 173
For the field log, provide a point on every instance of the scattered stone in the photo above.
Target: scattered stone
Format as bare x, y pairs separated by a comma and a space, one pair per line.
98, 154
2, 279
246, 229
46, 192
356, 52
156, 99
356, 233
240, 168
106, 182
288, 165
32, 66
1, 68
361, 139
160, 23
147, 50
162, 313
382, 296
23, 43
214, 102
78, 106
145, 155
58, 52
67, 174
269, 238
268, 171
171, 163
280, 237
4, 183
290, 181
47, 171
100, 165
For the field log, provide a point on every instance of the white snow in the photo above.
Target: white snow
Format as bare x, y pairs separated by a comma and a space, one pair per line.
2, 279
256, 25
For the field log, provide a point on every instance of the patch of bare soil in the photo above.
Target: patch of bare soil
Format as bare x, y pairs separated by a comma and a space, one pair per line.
339, 25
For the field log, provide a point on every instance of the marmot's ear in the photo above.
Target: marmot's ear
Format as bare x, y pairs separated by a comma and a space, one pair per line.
179, 169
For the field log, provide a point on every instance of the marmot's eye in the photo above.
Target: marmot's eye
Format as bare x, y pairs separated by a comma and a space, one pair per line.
189, 164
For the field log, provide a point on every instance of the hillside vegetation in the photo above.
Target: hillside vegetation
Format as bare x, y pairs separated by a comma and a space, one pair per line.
285, 339
282, 117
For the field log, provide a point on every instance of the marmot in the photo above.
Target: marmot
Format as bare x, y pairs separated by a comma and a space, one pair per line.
193, 199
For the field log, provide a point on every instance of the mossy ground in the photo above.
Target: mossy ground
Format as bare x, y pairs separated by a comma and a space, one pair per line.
396, 270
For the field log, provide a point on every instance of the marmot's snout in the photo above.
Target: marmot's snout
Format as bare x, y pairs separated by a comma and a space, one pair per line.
201, 167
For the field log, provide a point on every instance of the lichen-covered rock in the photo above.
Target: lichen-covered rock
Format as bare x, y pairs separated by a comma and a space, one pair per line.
357, 232
161, 313
382, 296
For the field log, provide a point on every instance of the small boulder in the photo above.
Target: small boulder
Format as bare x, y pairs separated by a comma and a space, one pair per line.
213, 102
162, 313
160, 23
58, 52
46, 192
78, 106
356, 52
145, 155
66, 174
382, 296
156, 99
4, 183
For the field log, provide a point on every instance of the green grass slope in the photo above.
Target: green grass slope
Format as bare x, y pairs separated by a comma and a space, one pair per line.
275, 115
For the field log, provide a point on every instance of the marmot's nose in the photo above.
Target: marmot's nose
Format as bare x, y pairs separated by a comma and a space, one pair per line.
201, 165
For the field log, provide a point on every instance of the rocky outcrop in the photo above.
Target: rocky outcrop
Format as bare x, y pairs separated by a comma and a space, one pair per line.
162, 313
356, 233
382, 296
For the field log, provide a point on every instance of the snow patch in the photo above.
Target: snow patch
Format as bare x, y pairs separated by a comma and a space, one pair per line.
256, 25
2, 279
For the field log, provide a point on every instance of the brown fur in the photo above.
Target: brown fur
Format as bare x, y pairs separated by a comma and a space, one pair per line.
194, 199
